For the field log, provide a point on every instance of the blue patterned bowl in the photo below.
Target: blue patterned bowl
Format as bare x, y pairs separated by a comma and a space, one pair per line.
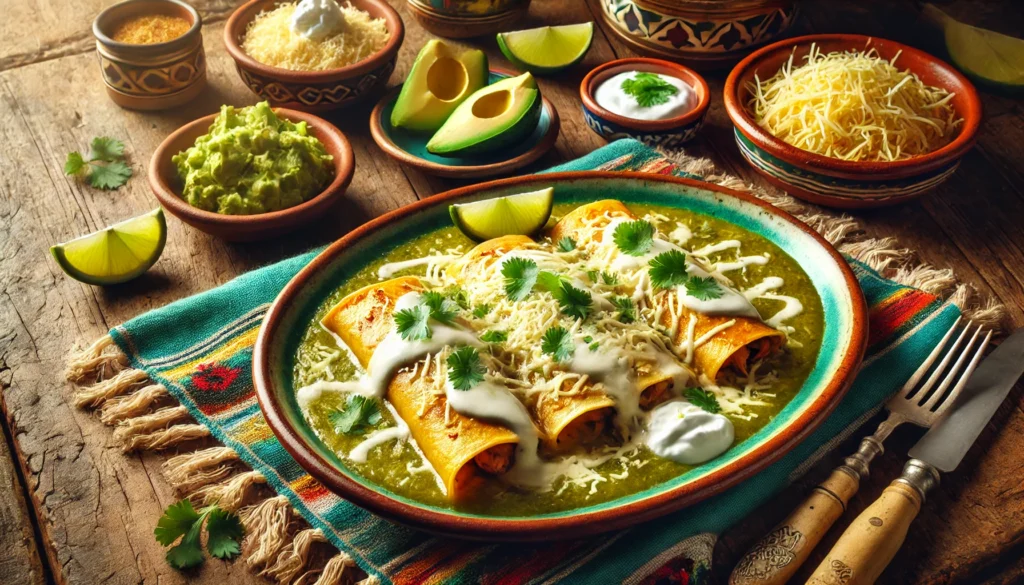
670, 133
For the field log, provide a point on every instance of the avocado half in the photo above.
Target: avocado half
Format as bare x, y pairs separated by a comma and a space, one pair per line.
441, 78
498, 115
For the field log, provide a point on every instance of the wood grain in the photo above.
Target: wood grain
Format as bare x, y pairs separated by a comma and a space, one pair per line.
95, 508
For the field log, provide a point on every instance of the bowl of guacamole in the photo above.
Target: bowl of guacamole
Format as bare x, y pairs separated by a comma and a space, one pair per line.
253, 172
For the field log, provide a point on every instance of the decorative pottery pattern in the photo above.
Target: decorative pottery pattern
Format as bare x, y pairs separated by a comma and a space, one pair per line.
327, 95
835, 187
666, 138
677, 34
146, 81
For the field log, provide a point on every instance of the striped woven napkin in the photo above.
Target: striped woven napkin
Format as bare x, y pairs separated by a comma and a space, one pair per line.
199, 351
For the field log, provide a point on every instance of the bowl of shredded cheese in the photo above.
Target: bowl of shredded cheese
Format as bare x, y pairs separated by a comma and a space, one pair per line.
314, 55
851, 121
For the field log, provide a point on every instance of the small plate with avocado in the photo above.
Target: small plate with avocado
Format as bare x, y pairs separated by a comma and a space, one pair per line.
454, 117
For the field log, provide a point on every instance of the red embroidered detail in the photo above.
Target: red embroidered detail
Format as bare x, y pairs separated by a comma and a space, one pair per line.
214, 377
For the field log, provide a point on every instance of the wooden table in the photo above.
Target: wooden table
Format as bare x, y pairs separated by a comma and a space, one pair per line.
74, 510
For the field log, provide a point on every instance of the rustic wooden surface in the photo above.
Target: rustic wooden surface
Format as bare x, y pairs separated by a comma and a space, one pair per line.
74, 510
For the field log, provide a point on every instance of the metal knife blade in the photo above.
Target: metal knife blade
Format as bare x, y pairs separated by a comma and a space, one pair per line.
945, 444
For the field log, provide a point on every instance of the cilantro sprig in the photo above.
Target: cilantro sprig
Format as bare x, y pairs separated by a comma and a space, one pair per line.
520, 276
572, 301
359, 415
103, 167
465, 369
442, 309
180, 520
557, 342
701, 398
669, 269
413, 324
494, 336
634, 238
649, 89
566, 244
703, 288
626, 308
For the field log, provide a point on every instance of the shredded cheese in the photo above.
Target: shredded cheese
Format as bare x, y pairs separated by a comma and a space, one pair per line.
269, 39
853, 106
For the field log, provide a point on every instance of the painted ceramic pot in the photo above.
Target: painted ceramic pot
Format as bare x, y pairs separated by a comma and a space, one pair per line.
843, 345
670, 133
849, 184
460, 19
704, 33
156, 76
315, 91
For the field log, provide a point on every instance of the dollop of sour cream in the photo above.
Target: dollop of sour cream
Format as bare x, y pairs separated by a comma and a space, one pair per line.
317, 19
688, 434
610, 96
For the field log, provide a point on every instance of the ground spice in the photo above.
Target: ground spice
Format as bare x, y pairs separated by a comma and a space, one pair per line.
150, 29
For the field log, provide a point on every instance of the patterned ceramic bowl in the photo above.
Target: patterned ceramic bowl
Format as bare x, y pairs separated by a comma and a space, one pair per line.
705, 33
151, 77
849, 184
669, 133
460, 19
315, 91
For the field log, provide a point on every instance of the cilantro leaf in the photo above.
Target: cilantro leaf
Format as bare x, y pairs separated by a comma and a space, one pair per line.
480, 311
573, 301
224, 534
457, 295
74, 164
609, 278
465, 369
701, 398
627, 310
357, 416
442, 309
106, 149
109, 176
649, 89
668, 269
566, 244
703, 288
593, 275
186, 554
178, 518
549, 281
412, 323
520, 276
494, 336
557, 342
634, 237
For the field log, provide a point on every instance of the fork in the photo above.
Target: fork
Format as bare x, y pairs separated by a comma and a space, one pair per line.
921, 401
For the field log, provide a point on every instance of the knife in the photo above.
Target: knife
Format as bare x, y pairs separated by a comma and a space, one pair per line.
873, 538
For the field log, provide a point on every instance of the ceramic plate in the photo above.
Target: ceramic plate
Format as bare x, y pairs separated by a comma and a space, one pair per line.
841, 352
411, 147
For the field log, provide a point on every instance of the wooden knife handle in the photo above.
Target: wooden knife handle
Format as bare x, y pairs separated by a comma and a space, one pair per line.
872, 539
774, 559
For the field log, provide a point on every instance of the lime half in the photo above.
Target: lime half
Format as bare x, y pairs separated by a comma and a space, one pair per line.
115, 254
986, 56
547, 49
522, 214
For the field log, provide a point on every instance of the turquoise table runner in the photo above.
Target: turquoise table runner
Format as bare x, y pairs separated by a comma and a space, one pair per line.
200, 350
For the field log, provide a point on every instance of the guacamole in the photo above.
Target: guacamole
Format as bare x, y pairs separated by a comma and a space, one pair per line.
253, 162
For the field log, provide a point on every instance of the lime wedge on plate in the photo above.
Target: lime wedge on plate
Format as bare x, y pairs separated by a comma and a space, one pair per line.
522, 214
985, 56
115, 254
547, 49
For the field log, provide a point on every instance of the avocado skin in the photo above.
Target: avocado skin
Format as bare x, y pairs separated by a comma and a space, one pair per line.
519, 130
431, 113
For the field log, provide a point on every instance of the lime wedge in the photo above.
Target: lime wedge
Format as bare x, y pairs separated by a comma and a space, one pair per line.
522, 214
985, 56
115, 254
547, 49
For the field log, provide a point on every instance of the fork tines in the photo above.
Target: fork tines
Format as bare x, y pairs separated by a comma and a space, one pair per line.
964, 353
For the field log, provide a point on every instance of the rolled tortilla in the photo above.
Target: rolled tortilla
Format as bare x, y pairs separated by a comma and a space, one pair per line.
735, 347
458, 447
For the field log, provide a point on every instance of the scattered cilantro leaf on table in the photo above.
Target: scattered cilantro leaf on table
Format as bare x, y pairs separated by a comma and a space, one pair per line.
106, 149
180, 520
357, 416
649, 89
668, 269
520, 276
557, 342
701, 398
634, 238
111, 175
566, 244
465, 369
703, 288
413, 323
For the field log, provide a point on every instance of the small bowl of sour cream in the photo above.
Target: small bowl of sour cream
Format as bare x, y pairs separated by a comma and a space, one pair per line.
657, 102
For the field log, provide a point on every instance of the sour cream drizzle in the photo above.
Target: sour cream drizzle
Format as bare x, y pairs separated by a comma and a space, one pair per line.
391, 268
762, 290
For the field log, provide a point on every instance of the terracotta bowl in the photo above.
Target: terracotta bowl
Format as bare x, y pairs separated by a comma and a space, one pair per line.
843, 343
668, 133
151, 77
461, 20
848, 184
315, 91
164, 181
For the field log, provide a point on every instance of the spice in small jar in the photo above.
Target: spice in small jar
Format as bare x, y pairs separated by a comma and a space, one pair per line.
151, 29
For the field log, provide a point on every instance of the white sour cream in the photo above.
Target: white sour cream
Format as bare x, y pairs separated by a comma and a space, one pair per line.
688, 434
610, 96
317, 19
